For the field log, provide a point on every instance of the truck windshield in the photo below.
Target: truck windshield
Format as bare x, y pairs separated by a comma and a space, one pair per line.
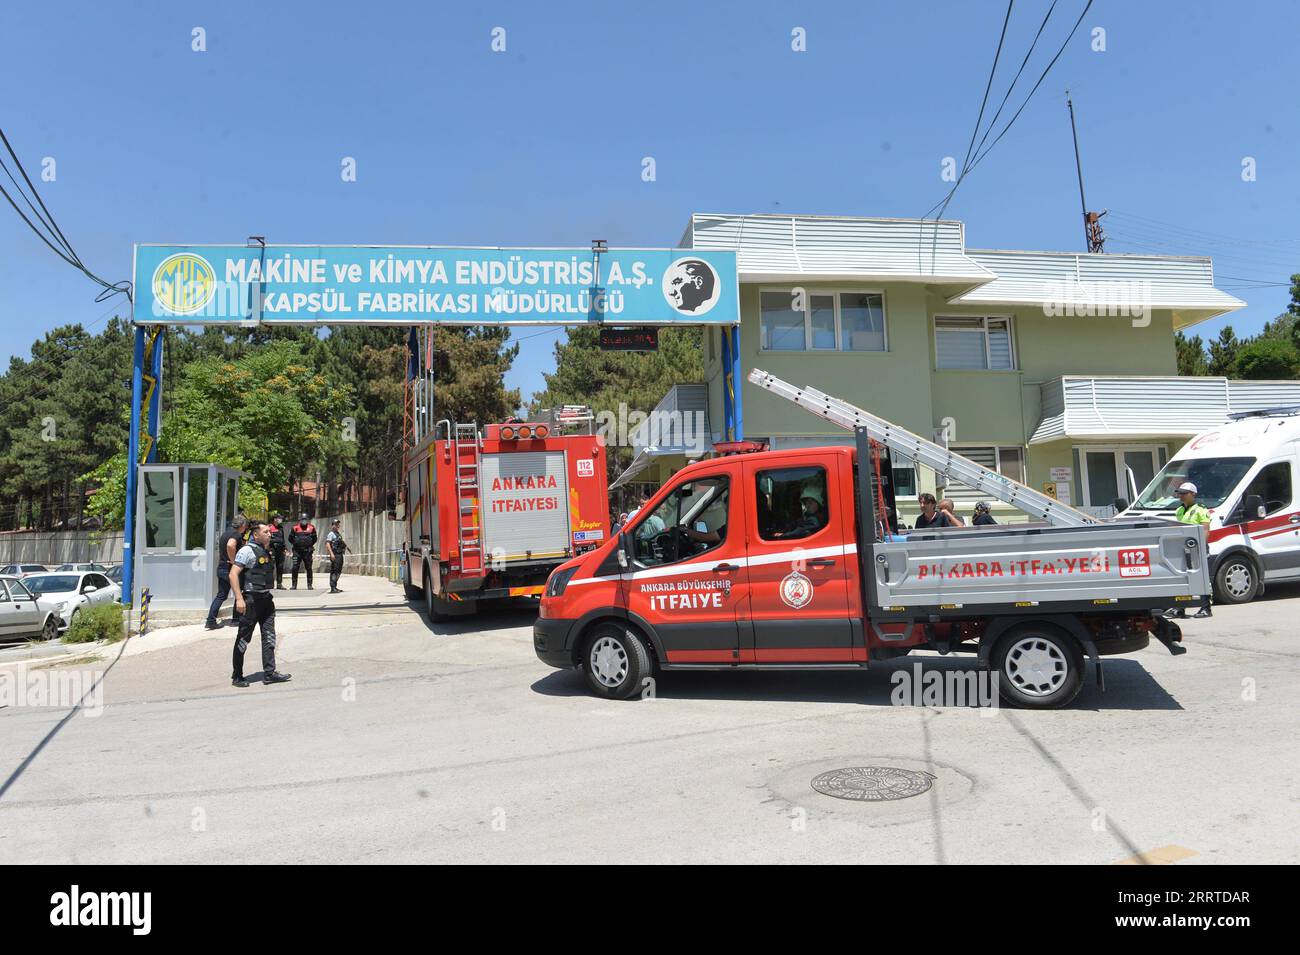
1215, 479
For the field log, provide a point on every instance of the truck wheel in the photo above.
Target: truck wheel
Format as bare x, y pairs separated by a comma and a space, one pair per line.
1039, 667
1236, 581
615, 662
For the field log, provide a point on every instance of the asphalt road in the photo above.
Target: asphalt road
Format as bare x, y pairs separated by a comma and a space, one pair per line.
398, 741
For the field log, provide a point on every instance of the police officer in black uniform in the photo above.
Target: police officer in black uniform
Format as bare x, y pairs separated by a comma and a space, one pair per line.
251, 579
231, 540
278, 548
302, 538
335, 548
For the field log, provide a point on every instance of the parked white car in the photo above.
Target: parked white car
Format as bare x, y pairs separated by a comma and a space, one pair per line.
65, 568
70, 592
23, 614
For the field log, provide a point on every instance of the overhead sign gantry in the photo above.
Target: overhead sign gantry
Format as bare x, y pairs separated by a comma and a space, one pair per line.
260, 284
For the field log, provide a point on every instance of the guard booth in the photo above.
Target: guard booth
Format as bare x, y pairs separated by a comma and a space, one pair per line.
181, 510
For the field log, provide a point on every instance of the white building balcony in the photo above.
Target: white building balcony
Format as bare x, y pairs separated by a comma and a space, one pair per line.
1088, 408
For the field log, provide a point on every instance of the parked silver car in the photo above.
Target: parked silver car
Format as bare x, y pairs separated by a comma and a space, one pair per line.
22, 570
25, 614
71, 592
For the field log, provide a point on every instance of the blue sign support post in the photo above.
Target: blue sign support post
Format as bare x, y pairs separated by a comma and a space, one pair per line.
132, 470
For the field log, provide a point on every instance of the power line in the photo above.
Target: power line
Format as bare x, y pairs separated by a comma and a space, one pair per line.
1146, 222
984, 151
1015, 79
64, 248
965, 163
1043, 76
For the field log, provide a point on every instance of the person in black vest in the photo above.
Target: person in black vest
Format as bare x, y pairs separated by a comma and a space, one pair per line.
302, 538
227, 547
335, 548
278, 548
252, 577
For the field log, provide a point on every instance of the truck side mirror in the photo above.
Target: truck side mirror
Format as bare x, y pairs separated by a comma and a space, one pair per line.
623, 544
1120, 505
1254, 507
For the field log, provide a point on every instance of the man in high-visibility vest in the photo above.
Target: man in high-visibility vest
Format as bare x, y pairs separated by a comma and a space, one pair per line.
1189, 512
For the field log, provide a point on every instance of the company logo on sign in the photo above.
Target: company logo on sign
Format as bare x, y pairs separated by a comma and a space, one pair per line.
586, 467
691, 286
796, 590
184, 283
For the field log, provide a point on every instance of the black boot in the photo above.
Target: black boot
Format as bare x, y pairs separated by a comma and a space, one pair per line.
275, 676
239, 681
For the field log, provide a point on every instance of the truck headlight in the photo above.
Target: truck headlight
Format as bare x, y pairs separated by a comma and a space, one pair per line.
556, 583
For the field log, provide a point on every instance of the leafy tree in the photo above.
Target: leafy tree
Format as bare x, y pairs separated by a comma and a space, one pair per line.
1191, 355
1267, 358
1223, 353
267, 413
469, 369
62, 416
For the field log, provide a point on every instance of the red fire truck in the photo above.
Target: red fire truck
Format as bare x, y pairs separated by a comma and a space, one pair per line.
491, 515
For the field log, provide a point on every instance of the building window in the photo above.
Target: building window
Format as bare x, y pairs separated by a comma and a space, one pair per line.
823, 321
1009, 461
974, 344
904, 480
1111, 473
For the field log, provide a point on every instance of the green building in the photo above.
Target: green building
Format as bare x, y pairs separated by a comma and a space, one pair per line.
1057, 368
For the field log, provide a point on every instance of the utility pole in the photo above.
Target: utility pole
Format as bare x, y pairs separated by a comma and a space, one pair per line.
1092, 233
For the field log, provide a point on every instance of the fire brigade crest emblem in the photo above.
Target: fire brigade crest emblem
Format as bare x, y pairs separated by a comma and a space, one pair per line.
796, 590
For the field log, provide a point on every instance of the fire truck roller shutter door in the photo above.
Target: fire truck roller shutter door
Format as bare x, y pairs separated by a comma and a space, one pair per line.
525, 505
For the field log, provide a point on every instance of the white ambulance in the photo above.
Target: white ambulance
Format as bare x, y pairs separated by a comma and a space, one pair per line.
1245, 472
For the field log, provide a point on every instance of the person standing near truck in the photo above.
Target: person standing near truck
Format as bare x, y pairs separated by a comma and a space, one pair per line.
302, 538
1189, 512
931, 516
227, 547
251, 579
335, 548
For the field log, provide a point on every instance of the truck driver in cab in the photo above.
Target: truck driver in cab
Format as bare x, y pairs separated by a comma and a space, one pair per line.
686, 524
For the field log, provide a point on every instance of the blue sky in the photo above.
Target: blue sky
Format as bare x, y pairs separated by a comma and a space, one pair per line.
543, 144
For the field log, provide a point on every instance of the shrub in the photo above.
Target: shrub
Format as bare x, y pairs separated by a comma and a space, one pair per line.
97, 622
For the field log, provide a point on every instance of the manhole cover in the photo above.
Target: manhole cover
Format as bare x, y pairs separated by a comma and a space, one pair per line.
872, 783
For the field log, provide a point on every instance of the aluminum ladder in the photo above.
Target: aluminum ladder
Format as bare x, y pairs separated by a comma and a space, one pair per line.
468, 497
912, 447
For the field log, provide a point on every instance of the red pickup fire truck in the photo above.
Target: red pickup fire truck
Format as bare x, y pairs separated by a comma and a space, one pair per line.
491, 515
794, 559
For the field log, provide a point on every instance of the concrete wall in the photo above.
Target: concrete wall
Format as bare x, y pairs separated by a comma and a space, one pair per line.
60, 547
372, 540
